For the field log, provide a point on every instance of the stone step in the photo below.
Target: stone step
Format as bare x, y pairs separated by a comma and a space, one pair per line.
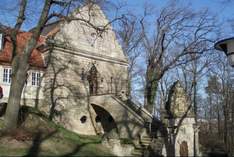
145, 141
146, 137
138, 146
145, 145
137, 153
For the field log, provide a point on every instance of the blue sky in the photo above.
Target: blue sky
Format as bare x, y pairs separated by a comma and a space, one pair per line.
221, 8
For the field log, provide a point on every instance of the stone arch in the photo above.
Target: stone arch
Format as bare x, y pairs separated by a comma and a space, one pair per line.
105, 123
184, 149
128, 123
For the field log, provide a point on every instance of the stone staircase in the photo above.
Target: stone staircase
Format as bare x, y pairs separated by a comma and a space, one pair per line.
142, 146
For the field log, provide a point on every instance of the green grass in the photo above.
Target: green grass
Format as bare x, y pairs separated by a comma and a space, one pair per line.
61, 142
6, 151
1, 123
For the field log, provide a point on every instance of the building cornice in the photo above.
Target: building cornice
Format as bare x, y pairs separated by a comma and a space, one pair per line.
91, 55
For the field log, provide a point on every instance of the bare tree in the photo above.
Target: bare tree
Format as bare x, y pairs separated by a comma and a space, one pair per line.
20, 61
178, 32
129, 34
221, 101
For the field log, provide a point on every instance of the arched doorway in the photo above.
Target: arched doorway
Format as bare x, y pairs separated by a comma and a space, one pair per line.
104, 121
93, 80
184, 149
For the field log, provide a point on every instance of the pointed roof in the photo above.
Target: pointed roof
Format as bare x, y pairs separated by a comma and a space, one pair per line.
178, 103
77, 35
36, 59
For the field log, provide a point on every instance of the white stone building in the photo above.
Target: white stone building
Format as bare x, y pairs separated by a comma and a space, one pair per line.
79, 77
31, 92
182, 118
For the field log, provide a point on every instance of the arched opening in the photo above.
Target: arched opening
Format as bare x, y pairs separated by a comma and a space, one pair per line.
184, 149
105, 122
93, 80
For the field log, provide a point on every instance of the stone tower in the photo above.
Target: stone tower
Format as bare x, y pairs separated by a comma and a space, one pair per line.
181, 116
178, 103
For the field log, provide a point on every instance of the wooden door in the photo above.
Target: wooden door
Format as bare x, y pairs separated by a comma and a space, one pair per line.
184, 149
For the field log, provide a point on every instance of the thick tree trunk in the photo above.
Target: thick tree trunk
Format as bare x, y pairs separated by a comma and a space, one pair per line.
19, 67
19, 71
150, 88
225, 127
170, 146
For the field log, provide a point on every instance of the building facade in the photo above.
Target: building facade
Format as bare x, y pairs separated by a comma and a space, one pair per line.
79, 77
181, 124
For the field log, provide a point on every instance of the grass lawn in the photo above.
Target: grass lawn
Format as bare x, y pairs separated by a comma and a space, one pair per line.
40, 137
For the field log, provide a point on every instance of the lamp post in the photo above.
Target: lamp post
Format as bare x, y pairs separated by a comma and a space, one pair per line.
227, 46
194, 140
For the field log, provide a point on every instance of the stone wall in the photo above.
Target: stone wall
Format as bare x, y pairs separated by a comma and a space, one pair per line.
186, 133
67, 76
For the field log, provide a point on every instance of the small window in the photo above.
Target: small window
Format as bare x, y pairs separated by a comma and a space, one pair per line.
36, 78
7, 75
83, 119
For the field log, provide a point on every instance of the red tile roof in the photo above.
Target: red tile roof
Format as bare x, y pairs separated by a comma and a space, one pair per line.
36, 59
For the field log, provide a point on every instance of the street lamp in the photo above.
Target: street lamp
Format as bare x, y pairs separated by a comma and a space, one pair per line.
194, 139
227, 45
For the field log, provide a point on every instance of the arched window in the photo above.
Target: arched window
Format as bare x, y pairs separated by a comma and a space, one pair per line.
93, 80
184, 149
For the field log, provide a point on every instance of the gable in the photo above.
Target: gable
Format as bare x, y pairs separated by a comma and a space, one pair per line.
178, 103
79, 35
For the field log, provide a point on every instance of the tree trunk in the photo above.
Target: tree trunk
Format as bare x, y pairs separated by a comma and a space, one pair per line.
170, 146
150, 88
225, 136
19, 70
219, 124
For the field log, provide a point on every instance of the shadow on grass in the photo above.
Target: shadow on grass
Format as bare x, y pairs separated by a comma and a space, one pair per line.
37, 140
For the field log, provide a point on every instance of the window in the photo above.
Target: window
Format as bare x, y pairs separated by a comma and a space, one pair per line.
83, 119
7, 75
36, 78
93, 80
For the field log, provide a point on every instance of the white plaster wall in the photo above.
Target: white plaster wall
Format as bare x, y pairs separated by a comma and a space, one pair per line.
30, 92
186, 133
